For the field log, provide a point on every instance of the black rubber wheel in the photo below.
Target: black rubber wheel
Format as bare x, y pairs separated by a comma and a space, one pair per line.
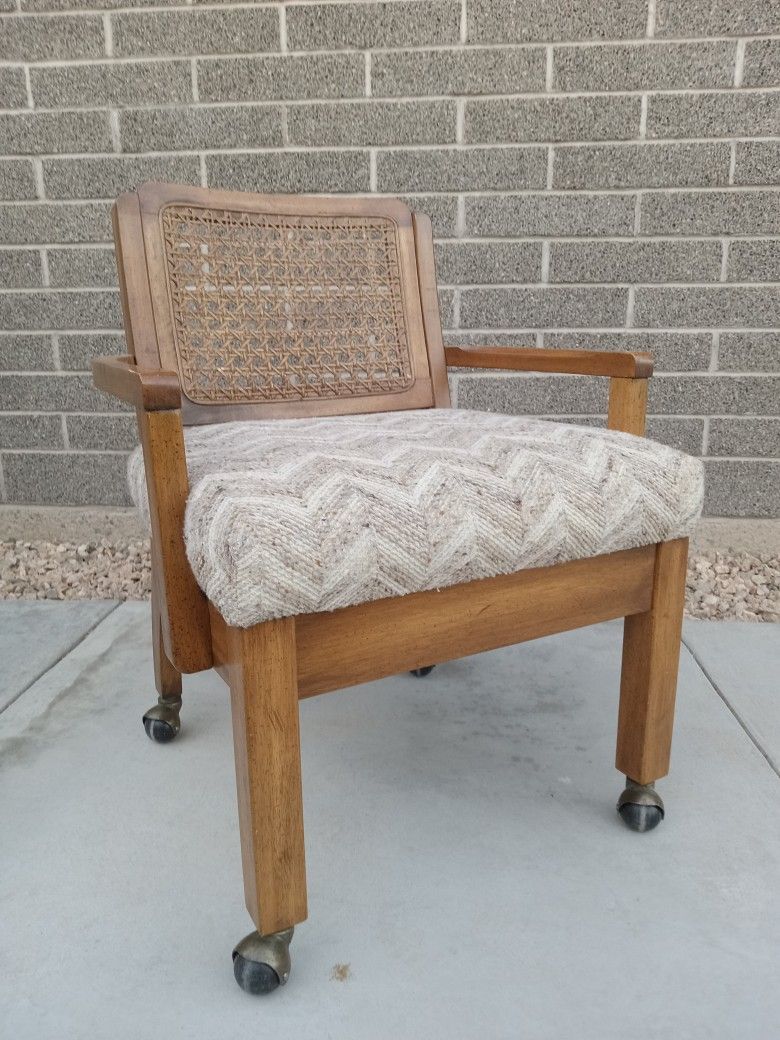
420, 673
159, 731
254, 977
641, 817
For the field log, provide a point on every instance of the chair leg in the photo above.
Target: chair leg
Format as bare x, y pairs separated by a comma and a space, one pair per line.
266, 736
162, 722
648, 684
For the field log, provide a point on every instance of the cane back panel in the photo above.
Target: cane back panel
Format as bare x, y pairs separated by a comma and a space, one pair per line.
284, 305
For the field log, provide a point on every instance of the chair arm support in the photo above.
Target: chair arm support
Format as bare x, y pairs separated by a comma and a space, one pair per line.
628, 374
156, 396
620, 364
156, 391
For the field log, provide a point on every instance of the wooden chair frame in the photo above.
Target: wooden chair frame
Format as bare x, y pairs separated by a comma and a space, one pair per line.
270, 666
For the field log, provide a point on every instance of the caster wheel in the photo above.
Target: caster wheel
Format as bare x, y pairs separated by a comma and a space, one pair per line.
640, 807
162, 722
158, 731
254, 977
261, 963
420, 673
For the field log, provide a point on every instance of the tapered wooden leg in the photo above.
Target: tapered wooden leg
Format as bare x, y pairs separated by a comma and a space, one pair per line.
264, 700
651, 651
167, 679
162, 721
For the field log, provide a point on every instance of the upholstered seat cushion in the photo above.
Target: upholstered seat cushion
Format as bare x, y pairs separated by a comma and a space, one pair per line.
293, 516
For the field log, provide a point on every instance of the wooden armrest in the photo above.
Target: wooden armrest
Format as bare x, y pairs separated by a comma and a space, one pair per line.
156, 391
571, 362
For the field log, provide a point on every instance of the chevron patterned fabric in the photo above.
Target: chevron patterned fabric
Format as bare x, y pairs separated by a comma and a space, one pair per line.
294, 516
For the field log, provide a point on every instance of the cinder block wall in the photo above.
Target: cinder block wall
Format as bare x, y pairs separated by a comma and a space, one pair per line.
600, 173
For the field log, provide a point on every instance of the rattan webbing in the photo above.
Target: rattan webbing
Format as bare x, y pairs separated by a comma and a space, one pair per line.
279, 308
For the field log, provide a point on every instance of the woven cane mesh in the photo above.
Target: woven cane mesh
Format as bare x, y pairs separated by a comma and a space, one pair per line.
283, 308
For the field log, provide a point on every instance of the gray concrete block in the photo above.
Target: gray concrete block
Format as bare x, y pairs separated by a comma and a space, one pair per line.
745, 437
460, 338
713, 115
543, 307
290, 171
749, 352
446, 307
51, 37
707, 307
710, 213
716, 18
139, 34
683, 434
60, 310
641, 165
672, 351
548, 214
754, 260
196, 128
105, 178
463, 169
442, 210
360, 26
656, 261
761, 65
370, 123
713, 395
55, 222
459, 72
521, 21
533, 394
75, 524
82, 5
111, 83
13, 88
54, 393
66, 478
102, 432
20, 268
727, 535
485, 263
741, 488
17, 180
77, 350
31, 431
42, 133
552, 119
645, 66
74, 268
281, 79
757, 162
23, 352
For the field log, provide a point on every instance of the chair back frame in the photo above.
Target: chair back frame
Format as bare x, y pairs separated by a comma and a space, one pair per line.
212, 281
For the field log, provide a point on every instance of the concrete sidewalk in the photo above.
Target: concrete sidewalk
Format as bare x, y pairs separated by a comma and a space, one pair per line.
468, 874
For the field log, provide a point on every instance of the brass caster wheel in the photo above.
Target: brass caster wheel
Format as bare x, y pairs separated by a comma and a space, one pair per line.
162, 722
262, 962
420, 673
640, 806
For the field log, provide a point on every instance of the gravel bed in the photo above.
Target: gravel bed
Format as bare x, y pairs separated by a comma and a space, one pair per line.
720, 585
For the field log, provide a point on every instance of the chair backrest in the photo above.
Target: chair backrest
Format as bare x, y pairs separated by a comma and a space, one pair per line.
276, 305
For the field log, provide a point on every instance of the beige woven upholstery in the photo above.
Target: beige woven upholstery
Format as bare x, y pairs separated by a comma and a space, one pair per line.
295, 516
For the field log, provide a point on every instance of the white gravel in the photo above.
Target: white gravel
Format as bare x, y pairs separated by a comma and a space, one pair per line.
720, 585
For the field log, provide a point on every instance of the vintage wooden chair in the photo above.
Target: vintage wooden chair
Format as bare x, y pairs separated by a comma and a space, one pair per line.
368, 528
